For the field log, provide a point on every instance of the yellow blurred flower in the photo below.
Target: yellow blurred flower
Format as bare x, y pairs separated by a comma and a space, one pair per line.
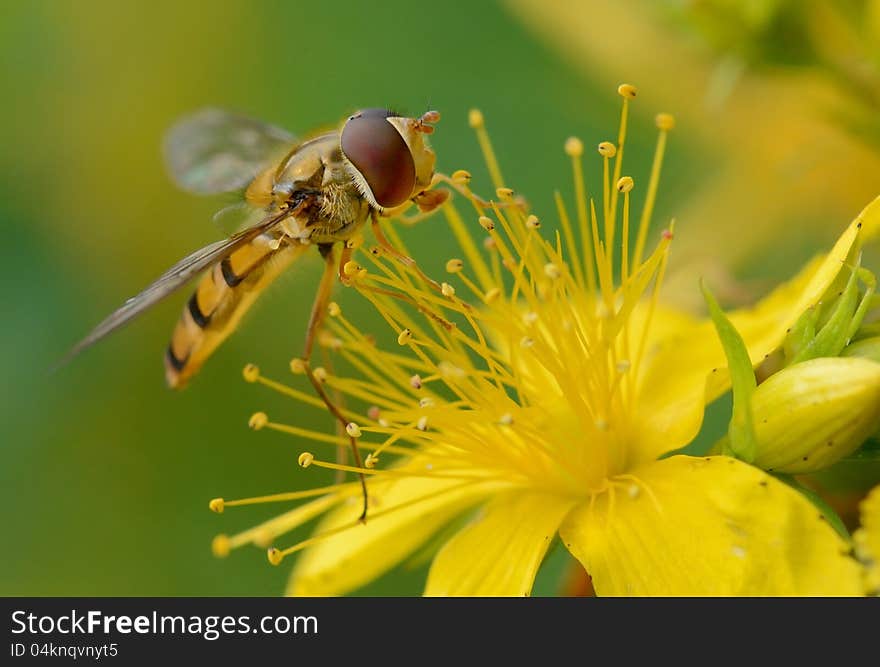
775, 155
548, 410
867, 540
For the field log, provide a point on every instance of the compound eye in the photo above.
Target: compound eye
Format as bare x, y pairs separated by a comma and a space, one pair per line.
379, 153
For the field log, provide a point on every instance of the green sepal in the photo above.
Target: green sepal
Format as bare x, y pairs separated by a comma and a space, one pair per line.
743, 443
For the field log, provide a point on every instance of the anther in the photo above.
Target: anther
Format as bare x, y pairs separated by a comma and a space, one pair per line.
552, 271
422, 424
486, 223
220, 546
664, 121
297, 366
633, 491
216, 505
667, 234
258, 420
373, 412
461, 177
625, 184
404, 337
447, 290
506, 419
504, 194
530, 317
532, 222
623, 365
489, 243
370, 461
351, 268
454, 266
607, 149
305, 459
492, 295
333, 309
475, 118
426, 402
275, 556
574, 147
416, 381
526, 341
353, 430
251, 373
320, 374
626, 90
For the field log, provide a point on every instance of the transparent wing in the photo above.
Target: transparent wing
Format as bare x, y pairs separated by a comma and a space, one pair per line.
215, 151
174, 278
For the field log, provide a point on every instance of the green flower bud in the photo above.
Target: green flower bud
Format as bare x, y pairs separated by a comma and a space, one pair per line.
812, 414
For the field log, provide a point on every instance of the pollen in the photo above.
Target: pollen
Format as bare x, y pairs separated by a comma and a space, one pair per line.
487, 223
607, 149
220, 546
404, 337
574, 147
297, 366
475, 119
454, 266
504, 194
532, 222
320, 374
353, 430
351, 268
305, 459
625, 184
415, 381
251, 373
461, 177
665, 121
216, 505
275, 556
333, 309
258, 420
447, 290
626, 90
370, 461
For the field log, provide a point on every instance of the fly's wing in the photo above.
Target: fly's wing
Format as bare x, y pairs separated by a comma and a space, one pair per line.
174, 278
213, 150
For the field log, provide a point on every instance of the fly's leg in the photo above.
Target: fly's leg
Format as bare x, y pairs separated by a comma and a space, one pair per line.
319, 308
406, 260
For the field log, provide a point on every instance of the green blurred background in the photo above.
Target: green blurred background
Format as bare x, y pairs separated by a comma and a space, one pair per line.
106, 474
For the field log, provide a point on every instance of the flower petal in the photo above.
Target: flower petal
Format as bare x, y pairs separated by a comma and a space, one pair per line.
354, 557
500, 551
867, 539
708, 526
681, 366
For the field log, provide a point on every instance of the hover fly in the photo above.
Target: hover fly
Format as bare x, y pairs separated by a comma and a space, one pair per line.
314, 193
317, 193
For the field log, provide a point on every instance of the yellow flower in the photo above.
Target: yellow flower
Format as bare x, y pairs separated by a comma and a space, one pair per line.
535, 394
867, 540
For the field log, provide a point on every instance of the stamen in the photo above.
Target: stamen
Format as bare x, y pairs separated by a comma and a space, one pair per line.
477, 122
665, 122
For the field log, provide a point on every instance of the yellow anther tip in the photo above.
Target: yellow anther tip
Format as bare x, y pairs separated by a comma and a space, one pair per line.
217, 505
454, 266
353, 430
574, 147
533, 222
492, 295
607, 149
333, 309
487, 223
370, 461
506, 419
297, 366
320, 374
305, 459
404, 337
461, 176
251, 373
665, 121
625, 184
475, 118
504, 193
220, 546
275, 556
416, 382
351, 268
258, 420
552, 271
626, 90
447, 290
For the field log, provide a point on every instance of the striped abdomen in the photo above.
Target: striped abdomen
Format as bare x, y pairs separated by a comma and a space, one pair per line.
222, 297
